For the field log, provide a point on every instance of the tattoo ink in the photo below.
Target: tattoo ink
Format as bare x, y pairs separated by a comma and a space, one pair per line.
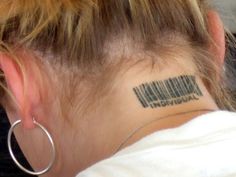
169, 92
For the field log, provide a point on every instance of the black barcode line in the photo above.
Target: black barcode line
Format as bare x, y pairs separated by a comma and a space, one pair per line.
183, 85
158, 85
164, 90
175, 88
197, 90
140, 97
188, 85
199, 93
144, 92
192, 81
152, 89
156, 90
170, 88
153, 93
147, 91
177, 82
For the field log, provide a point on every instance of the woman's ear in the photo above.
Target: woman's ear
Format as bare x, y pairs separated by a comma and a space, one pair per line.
22, 88
217, 33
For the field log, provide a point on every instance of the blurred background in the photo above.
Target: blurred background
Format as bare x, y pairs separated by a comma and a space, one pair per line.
227, 9
7, 167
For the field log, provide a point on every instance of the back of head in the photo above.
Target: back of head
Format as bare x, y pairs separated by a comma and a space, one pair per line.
81, 33
69, 55
78, 30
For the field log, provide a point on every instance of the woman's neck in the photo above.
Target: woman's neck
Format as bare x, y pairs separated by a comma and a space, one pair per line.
139, 99
135, 99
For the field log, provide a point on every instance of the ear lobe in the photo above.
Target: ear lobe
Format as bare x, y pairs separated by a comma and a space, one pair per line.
15, 83
216, 30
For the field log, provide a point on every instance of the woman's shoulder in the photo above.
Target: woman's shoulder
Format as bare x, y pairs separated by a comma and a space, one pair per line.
205, 146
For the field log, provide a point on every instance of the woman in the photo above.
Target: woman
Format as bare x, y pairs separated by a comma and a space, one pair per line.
124, 87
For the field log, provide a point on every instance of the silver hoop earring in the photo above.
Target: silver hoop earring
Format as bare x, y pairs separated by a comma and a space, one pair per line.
14, 158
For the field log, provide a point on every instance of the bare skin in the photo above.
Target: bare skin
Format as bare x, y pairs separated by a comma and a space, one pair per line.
87, 139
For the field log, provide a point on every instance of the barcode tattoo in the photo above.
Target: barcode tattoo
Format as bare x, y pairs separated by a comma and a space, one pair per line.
170, 92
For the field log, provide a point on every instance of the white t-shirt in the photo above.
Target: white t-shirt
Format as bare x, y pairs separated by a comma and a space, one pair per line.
203, 147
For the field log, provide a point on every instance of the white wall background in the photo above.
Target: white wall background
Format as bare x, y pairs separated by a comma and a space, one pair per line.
227, 9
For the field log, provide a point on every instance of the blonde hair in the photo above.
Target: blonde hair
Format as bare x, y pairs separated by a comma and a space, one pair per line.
76, 31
